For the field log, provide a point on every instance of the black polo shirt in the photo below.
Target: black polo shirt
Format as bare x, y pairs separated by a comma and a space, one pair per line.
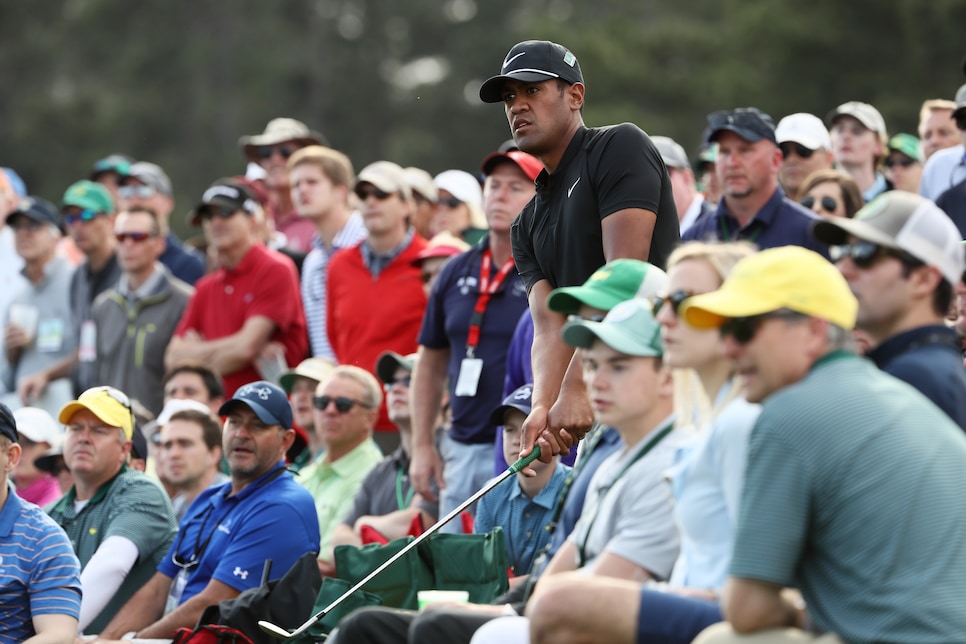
558, 237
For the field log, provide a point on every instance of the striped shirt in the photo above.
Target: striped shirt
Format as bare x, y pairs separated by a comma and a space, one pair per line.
39, 574
314, 270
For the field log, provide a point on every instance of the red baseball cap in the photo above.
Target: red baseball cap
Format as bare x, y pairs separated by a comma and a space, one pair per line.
530, 164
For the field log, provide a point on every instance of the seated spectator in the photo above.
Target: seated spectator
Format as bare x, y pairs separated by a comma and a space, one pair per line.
839, 455
39, 433
523, 505
190, 452
386, 501
40, 589
831, 192
231, 529
300, 384
119, 521
347, 405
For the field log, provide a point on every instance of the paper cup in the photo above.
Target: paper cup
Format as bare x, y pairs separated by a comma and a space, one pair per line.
427, 597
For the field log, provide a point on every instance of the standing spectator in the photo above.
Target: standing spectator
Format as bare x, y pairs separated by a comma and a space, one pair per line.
375, 298
135, 319
109, 171
192, 380
806, 147
321, 179
858, 140
119, 522
250, 307
440, 249
937, 129
11, 264
39, 434
459, 206
691, 204
839, 455
472, 312
300, 384
604, 194
425, 197
903, 165
901, 256
347, 405
831, 192
947, 167
271, 150
148, 186
38, 328
190, 446
40, 590
753, 206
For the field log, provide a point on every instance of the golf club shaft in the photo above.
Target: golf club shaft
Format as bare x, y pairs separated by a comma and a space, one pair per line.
510, 471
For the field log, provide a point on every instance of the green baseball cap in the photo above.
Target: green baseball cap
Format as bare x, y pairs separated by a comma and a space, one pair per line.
89, 196
611, 284
908, 145
629, 327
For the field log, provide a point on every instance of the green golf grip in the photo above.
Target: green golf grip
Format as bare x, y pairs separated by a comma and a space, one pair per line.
526, 460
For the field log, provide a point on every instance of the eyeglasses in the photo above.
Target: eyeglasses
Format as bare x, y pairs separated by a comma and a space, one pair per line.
905, 162
216, 211
266, 151
864, 254
84, 215
136, 237
25, 223
450, 202
743, 330
139, 191
675, 299
372, 191
404, 381
828, 204
788, 146
342, 404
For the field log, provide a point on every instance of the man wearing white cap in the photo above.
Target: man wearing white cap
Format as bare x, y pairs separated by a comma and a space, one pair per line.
806, 147
901, 256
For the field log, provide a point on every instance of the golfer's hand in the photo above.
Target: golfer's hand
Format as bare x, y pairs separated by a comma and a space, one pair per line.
425, 466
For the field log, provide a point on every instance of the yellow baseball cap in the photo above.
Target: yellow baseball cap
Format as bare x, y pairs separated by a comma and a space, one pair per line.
110, 405
789, 277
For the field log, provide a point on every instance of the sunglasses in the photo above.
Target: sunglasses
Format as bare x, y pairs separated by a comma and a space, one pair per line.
828, 204
25, 223
266, 151
84, 215
427, 276
905, 162
450, 202
743, 330
136, 237
216, 211
675, 299
864, 254
799, 149
372, 191
141, 192
398, 381
342, 404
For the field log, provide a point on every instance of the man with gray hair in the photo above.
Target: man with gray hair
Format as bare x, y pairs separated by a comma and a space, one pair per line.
147, 185
691, 204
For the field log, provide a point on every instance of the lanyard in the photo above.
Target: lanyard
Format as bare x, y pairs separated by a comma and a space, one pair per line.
582, 545
402, 502
487, 289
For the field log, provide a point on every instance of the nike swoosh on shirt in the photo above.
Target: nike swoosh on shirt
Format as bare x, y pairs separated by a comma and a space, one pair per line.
507, 61
572, 187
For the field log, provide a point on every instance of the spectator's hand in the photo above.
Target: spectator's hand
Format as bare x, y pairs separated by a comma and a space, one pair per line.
31, 387
426, 466
15, 338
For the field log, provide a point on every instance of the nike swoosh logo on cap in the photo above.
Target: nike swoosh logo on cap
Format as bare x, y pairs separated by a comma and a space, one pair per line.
507, 61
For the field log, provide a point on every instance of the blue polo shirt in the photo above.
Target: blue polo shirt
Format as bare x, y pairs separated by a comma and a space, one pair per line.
780, 222
229, 537
39, 573
929, 359
446, 324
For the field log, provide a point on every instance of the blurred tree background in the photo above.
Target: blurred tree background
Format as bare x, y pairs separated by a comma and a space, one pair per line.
177, 82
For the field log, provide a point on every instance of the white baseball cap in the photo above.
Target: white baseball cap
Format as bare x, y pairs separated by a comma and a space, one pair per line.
38, 425
806, 129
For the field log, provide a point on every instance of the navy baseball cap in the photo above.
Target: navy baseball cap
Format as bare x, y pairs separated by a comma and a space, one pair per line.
266, 400
749, 123
226, 193
532, 61
40, 210
519, 400
8, 425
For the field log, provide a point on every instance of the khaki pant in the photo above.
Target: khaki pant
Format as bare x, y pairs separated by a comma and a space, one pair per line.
723, 634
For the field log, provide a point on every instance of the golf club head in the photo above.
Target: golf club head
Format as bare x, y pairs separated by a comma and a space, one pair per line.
276, 631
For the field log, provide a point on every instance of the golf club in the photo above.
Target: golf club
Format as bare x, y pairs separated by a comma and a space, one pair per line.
285, 634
